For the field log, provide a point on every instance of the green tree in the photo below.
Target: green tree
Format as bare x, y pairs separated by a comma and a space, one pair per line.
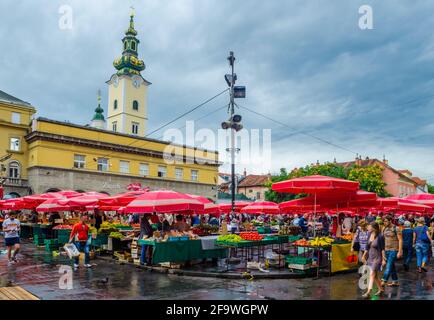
430, 188
370, 179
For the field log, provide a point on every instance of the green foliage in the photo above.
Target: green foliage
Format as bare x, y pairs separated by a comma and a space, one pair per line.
370, 179
430, 188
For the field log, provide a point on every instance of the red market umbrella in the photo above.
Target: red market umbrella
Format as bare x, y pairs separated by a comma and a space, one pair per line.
69, 193
422, 198
16, 204
40, 198
164, 201
86, 199
404, 205
227, 207
263, 207
209, 206
302, 204
121, 199
52, 205
315, 184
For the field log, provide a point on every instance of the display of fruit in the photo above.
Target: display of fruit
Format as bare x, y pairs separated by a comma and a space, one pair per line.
251, 236
321, 242
348, 237
230, 238
116, 235
302, 243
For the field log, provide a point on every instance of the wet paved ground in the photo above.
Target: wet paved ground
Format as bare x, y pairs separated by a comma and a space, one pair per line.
38, 272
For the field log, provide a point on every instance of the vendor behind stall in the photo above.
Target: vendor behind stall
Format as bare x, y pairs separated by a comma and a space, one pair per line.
98, 219
145, 231
180, 225
33, 218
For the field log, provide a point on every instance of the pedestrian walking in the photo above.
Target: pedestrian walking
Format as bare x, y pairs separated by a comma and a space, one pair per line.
360, 240
375, 258
407, 244
11, 229
79, 236
393, 248
422, 241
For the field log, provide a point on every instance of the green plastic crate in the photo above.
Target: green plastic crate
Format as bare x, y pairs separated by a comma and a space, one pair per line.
263, 230
298, 260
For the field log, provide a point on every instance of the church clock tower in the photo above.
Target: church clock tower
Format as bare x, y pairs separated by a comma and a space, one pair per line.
127, 93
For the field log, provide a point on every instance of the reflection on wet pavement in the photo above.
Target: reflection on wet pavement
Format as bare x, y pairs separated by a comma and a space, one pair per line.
38, 272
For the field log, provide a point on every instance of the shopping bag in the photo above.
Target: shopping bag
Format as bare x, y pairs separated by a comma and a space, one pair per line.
71, 250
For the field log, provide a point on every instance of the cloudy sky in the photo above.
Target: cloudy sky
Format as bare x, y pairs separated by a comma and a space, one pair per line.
337, 89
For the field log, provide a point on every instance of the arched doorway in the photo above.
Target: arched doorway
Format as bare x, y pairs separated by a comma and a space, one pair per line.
12, 195
52, 190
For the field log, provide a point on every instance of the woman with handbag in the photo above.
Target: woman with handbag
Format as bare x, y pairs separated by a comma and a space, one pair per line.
360, 240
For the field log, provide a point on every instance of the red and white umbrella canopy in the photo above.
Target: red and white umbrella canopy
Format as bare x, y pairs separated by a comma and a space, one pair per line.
40, 198
227, 207
315, 184
262, 207
52, 205
68, 193
164, 201
121, 199
422, 198
16, 204
86, 199
209, 206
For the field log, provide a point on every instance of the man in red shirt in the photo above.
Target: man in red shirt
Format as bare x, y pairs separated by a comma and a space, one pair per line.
80, 233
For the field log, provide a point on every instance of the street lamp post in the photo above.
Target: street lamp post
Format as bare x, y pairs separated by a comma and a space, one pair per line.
234, 122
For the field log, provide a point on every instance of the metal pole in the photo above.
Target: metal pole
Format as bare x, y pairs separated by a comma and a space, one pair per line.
232, 108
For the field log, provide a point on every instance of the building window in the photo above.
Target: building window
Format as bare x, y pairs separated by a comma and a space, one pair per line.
258, 195
14, 144
16, 117
144, 169
115, 126
194, 175
135, 105
79, 161
133, 45
115, 104
135, 128
102, 164
250, 190
179, 173
14, 169
162, 171
124, 166
125, 45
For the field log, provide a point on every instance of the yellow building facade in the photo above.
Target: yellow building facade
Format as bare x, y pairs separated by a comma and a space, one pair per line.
105, 156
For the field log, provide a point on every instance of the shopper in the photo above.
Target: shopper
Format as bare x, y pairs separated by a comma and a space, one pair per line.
98, 219
79, 236
302, 223
422, 240
145, 231
393, 247
369, 218
360, 240
11, 229
407, 244
375, 258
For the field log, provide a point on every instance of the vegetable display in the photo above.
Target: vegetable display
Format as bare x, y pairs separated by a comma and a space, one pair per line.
116, 235
251, 236
230, 238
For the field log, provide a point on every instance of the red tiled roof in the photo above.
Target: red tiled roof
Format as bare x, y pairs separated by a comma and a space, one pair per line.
371, 162
254, 180
419, 181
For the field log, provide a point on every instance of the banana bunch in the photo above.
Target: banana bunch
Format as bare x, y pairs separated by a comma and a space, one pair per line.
321, 242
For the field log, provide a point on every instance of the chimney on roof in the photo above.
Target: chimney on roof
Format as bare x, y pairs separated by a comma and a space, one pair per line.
385, 161
358, 161
245, 172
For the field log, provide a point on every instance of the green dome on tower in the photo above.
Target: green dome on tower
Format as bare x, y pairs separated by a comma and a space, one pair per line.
129, 63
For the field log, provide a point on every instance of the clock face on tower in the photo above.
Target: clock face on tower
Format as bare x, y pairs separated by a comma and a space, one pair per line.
137, 81
115, 80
